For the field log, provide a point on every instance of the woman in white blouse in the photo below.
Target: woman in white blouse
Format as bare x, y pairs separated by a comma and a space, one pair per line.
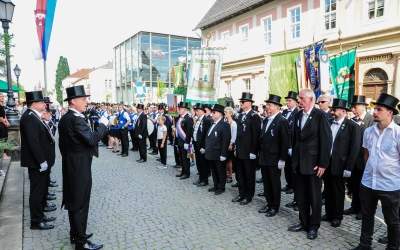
229, 114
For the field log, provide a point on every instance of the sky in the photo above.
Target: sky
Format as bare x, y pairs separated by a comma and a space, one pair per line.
85, 31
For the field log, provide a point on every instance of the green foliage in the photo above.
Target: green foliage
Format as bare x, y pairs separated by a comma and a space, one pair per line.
61, 73
180, 90
6, 145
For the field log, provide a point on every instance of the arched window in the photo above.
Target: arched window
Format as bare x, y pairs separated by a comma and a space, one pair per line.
375, 82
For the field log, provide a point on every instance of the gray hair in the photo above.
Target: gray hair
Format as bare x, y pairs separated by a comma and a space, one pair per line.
308, 93
230, 110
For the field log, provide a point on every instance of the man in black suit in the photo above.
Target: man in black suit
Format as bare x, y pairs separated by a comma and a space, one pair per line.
38, 155
78, 144
364, 120
346, 137
311, 145
216, 148
184, 133
290, 114
199, 135
141, 133
274, 145
248, 133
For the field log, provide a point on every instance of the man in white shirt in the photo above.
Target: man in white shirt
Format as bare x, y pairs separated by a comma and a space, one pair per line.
381, 178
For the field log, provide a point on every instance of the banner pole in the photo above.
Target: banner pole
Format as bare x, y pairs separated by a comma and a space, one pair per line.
45, 77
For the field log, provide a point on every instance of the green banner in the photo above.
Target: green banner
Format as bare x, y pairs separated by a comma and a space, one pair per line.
161, 87
342, 74
283, 74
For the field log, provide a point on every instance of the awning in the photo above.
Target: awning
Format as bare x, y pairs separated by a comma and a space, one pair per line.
4, 87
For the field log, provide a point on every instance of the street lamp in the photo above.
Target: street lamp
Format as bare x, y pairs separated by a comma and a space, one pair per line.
17, 72
6, 15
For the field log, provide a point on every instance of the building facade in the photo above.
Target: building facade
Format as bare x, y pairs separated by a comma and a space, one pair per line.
251, 32
148, 57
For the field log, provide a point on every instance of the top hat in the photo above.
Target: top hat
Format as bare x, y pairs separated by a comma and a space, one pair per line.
161, 106
388, 101
207, 106
75, 92
47, 100
254, 108
198, 106
292, 95
230, 103
184, 105
247, 97
34, 96
358, 99
218, 107
275, 99
339, 104
140, 106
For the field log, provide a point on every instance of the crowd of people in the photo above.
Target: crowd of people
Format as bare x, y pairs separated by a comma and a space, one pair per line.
323, 146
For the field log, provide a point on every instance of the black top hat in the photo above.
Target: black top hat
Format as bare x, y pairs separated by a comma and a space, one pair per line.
185, 105
339, 104
198, 106
75, 92
47, 100
292, 95
140, 106
206, 106
254, 108
388, 101
218, 107
230, 103
34, 96
161, 106
246, 96
275, 99
358, 99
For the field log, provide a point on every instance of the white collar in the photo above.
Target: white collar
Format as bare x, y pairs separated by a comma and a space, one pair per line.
309, 112
77, 112
340, 121
271, 118
391, 126
218, 121
37, 113
362, 116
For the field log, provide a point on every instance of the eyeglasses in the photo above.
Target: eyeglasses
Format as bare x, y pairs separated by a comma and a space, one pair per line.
322, 102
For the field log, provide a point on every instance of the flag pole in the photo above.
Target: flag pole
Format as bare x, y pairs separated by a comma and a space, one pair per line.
45, 77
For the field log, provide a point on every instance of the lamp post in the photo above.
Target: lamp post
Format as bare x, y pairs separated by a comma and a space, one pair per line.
6, 15
17, 72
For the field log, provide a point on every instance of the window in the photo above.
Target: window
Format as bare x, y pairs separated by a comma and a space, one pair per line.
267, 24
225, 36
106, 84
294, 15
375, 8
245, 32
330, 14
228, 88
247, 84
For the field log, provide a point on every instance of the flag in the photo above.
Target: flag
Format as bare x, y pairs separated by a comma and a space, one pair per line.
44, 17
283, 73
312, 64
160, 88
324, 71
342, 74
140, 89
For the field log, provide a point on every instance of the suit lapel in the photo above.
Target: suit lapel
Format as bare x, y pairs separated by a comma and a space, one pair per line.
272, 125
308, 119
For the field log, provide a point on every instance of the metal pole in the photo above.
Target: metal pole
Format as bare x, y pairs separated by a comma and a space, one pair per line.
19, 101
45, 77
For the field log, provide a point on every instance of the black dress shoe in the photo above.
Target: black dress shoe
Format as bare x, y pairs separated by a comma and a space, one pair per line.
235, 185
289, 191
362, 248
179, 175
49, 209
158, 159
51, 193
53, 182
202, 184
245, 202
41, 226
336, 223
259, 180
196, 183
51, 198
383, 240
219, 191
349, 211
290, 204
53, 185
359, 216
124, 155
89, 246
285, 188
72, 238
229, 180
325, 218
213, 189
271, 213
237, 199
183, 177
48, 219
296, 228
177, 166
312, 234
296, 208
264, 210
140, 161
260, 194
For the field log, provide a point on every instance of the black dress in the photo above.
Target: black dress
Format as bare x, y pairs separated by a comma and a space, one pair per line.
3, 128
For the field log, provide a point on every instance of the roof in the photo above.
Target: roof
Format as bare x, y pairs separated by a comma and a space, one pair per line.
81, 73
223, 10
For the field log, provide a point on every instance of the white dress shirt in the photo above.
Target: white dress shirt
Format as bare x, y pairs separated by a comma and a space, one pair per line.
233, 131
196, 127
212, 127
305, 117
335, 129
270, 119
382, 171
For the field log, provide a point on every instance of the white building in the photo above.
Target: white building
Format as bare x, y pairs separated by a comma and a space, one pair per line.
252, 30
98, 82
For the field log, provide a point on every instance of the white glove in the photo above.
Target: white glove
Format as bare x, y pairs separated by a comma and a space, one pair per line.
104, 121
202, 151
252, 156
221, 158
290, 152
140, 137
186, 146
281, 164
346, 173
43, 166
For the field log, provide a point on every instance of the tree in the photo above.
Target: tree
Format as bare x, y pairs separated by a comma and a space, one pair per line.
61, 73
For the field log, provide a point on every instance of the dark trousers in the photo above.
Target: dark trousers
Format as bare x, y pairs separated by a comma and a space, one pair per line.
177, 156
143, 149
308, 198
271, 176
289, 175
355, 183
183, 155
104, 140
162, 151
390, 208
37, 194
218, 172
201, 163
78, 223
246, 175
123, 133
134, 140
334, 196
153, 140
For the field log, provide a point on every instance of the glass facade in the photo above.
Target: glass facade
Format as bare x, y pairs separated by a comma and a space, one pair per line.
149, 57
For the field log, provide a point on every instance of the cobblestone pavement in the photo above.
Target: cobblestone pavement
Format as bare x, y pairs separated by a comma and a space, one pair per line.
139, 206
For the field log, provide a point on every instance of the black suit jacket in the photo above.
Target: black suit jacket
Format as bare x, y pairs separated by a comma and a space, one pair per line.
248, 133
201, 134
78, 144
365, 123
141, 126
187, 127
290, 120
274, 142
345, 150
312, 144
37, 143
217, 141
